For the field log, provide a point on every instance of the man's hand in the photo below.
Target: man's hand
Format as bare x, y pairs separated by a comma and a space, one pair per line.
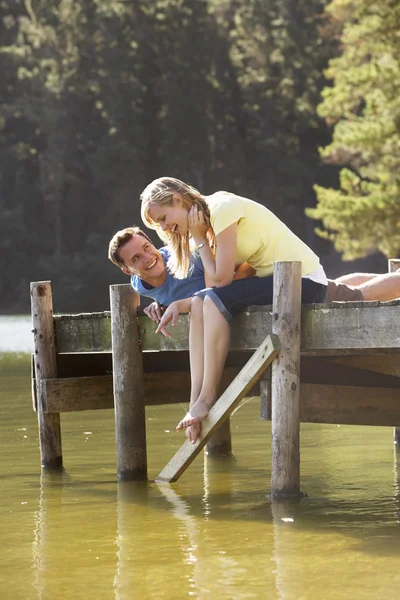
170, 315
154, 311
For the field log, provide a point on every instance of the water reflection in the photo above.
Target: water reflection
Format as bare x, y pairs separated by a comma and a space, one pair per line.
47, 517
81, 535
72, 546
131, 557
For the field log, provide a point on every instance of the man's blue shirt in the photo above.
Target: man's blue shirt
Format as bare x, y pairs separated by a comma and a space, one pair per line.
173, 289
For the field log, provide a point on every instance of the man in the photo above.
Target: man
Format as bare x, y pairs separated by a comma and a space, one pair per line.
133, 252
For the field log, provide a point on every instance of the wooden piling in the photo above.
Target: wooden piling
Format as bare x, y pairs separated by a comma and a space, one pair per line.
285, 381
221, 442
45, 368
393, 265
128, 384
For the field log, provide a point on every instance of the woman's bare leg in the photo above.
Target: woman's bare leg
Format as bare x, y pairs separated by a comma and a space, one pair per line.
216, 346
196, 353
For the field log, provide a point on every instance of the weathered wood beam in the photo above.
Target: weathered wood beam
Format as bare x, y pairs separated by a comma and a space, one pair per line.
67, 394
72, 394
349, 405
324, 370
388, 364
319, 403
336, 328
223, 408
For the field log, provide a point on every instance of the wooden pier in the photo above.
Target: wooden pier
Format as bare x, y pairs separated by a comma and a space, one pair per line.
331, 363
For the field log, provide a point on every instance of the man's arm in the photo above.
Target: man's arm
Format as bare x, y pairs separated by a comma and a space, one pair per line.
244, 271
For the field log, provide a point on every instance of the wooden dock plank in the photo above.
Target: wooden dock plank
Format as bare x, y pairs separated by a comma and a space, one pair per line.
371, 327
222, 409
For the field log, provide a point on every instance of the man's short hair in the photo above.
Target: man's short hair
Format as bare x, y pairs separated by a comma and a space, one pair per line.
120, 239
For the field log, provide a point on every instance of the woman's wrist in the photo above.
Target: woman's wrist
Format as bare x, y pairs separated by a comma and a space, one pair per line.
200, 242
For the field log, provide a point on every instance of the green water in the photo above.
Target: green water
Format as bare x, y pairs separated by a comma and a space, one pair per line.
214, 534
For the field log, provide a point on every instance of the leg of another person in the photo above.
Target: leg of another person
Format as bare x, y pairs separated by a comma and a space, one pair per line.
356, 279
196, 353
382, 287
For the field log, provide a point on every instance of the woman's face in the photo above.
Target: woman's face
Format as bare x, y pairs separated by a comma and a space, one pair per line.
170, 217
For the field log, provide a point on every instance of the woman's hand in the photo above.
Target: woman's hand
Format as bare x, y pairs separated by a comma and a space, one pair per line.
199, 224
154, 311
171, 314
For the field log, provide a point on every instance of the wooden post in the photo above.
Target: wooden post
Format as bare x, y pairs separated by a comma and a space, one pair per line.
130, 421
45, 368
393, 265
221, 442
285, 381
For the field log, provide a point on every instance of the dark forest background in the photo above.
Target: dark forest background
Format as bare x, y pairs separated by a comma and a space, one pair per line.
99, 97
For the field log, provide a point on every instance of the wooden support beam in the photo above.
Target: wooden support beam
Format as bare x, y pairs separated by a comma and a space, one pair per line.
388, 364
96, 393
45, 368
349, 405
223, 408
130, 421
315, 369
285, 381
319, 403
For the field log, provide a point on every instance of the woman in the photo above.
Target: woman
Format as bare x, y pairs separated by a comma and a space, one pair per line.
227, 230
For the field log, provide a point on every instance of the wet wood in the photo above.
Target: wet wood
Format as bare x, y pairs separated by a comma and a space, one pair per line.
130, 421
222, 408
285, 381
45, 368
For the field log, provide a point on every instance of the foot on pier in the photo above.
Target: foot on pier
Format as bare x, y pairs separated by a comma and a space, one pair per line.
197, 413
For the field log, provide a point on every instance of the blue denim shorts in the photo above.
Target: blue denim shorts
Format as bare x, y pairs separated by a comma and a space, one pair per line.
256, 291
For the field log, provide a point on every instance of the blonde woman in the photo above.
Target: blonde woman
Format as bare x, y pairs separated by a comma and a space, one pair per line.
228, 231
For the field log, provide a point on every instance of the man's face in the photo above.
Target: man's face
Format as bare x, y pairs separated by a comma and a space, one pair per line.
143, 259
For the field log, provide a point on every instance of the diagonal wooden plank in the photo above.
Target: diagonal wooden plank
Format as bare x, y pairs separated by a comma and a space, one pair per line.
224, 406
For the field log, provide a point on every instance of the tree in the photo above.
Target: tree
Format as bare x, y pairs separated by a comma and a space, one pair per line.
363, 105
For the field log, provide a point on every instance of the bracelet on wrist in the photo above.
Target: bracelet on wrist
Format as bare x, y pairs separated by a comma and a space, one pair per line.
201, 245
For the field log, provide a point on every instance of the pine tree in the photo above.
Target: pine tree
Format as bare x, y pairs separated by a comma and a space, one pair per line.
363, 105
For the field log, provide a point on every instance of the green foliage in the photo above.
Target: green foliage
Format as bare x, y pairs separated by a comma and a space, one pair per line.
98, 97
364, 106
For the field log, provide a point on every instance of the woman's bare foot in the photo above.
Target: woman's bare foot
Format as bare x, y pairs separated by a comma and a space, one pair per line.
196, 414
192, 432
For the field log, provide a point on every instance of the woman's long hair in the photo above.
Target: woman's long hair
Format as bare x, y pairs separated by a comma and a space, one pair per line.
161, 191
